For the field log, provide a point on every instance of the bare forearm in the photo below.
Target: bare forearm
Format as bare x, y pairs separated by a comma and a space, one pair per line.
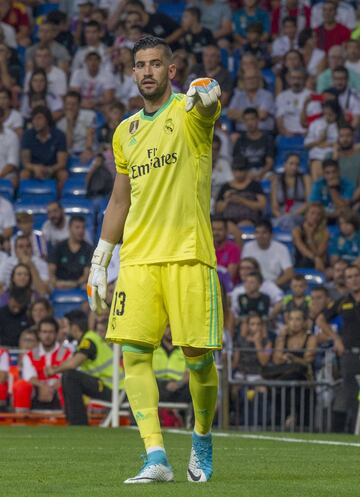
116, 211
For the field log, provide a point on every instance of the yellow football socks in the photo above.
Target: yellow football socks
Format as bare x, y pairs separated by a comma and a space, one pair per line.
203, 388
143, 393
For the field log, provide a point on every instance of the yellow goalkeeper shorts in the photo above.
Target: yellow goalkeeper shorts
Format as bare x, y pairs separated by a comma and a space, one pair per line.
184, 295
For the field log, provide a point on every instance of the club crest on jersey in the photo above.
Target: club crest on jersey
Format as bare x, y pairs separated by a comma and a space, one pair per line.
169, 126
133, 126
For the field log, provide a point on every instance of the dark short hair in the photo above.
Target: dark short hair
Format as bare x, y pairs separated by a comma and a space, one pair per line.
7, 91
149, 41
79, 318
257, 275
255, 27
21, 237
330, 163
76, 217
350, 217
342, 69
305, 35
218, 218
346, 126
264, 223
194, 11
251, 111
49, 320
93, 24
321, 289
289, 19
42, 109
298, 277
20, 295
56, 17
74, 94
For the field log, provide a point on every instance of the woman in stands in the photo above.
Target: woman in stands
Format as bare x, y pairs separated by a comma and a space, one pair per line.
21, 278
289, 192
311, 239
40, 309
291, 60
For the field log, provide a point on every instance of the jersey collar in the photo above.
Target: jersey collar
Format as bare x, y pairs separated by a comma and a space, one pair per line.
159, 111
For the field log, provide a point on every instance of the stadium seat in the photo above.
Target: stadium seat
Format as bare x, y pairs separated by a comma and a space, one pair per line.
313, 277
172, 9
100, 217
38, 208
82, 207
75, 166
282, 155
290, 142
247, 233
6, 189
34, 190
65, 301
74, 187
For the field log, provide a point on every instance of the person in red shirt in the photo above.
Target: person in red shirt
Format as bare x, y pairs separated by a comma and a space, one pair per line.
331, 33
290, 8
227, 251
15, 14
36, 389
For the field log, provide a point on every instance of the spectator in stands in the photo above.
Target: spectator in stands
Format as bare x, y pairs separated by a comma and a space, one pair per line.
221, 169
348, 98
273, 257
242, 200
337, 287
130, 30
255, 146
336, 59
79, 127
56, 228
211, 67
297, 299
182, 61
195, 36
93, 357
314, 58
69, 263
38, 94
36, 389
247, 16
7, 218
170, 370
81, 19
250, 265
289, 104
256, 47
8, 35
345, 14
9, 152
24, 226
10, 69
346, 244
46, 36
93, 43
21, 278
311, 239
289, 193
288, 41
290, 8
24, 254
330, 32
332, 190
319, 301
347, 153
95, 84
100, 15
322, 135
43, 149
254, 96
62, 35
13, 318
347, 346
215, 16
353, 56
56, 77
16, 16
38, 310
227, 251
122, 68
4, 377
291, 61
12, 118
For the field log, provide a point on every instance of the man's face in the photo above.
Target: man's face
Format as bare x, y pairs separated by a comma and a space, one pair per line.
219, 232
188, 20
46, 33
319, 301
152, 73
263, 237
25, 226
39, 122
346, 139
77, 231
251, 81
211, 58
340, 80
14, 306
352, 279
332, 176
47, 335
335, 58
290, 30
55, 214
4, 101
43, 59
72, 105
339, 272
251, 122
296, 321
92, 36
251, 284
93, 63
298, 288
23, 247
132, 19
296, 81
329, 13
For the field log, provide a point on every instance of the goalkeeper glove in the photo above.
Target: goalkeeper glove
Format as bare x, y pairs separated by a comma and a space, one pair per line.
204, 89
97, 282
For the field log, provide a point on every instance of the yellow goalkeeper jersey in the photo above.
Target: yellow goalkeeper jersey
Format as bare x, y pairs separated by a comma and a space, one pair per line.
168, 159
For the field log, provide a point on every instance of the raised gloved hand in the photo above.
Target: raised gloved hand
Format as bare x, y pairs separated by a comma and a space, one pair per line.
206, 90
97, 282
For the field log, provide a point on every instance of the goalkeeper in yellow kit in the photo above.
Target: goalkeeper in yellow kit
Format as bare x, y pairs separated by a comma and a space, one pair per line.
160, 209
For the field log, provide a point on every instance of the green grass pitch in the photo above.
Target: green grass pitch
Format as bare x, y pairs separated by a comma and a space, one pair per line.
93, 462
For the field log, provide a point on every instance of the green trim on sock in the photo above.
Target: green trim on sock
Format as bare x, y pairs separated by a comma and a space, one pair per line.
199, 362
137, 349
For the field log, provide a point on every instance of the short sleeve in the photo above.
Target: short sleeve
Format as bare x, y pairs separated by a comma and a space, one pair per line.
120, 159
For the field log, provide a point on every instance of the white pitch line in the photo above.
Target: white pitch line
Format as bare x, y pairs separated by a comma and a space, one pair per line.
276, 439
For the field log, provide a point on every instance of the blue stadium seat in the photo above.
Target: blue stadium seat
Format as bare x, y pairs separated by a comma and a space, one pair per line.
82, 207
75, 166
64, 301
290, 142
6, 189
74, 187
313, 277
34, 190
172, 9
100, 217
37, 207
282, 155
247, 233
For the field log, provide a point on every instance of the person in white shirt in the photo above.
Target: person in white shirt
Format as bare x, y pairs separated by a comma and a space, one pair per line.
56, 228
345, 14
352, 62
9, 152
289, 105
349, 99
273, 257
221, 169
7, 219
13, 119
287, 41
56, 77
93, 42
94, 83
314, 58
9, 34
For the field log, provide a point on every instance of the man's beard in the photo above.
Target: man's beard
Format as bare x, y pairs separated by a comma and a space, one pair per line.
156, 94
346, 148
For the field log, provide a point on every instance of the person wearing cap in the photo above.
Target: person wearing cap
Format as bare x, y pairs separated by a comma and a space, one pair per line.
241, 200
9, 152
88, 372
43, 149
95, 83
